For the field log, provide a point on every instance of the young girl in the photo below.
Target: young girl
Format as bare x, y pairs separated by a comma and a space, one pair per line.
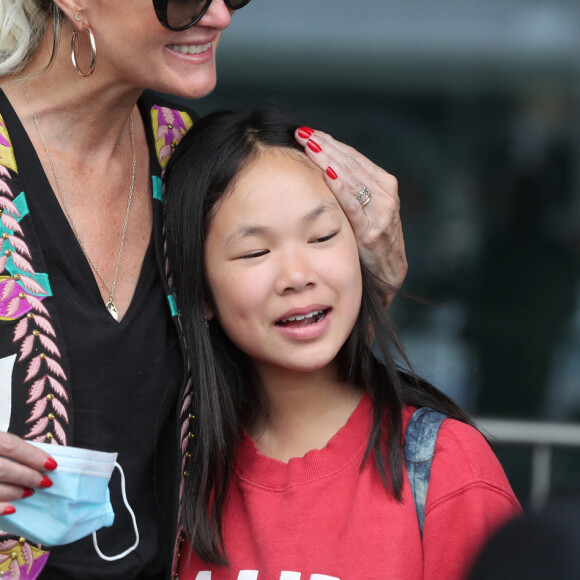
297, 428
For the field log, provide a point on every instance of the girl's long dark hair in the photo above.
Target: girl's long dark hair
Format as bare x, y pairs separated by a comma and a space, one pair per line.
226, 391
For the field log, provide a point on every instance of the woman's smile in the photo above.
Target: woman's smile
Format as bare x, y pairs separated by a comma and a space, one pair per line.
190, 48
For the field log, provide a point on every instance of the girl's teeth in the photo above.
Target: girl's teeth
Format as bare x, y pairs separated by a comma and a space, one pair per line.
190, 48
300, 317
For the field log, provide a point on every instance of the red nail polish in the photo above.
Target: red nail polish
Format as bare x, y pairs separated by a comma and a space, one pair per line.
50, 464
305, 132
313, 146
27, 492
8, 510
46, 482
331, 173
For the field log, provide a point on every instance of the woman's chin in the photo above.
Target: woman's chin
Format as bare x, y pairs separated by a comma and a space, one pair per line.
196, 90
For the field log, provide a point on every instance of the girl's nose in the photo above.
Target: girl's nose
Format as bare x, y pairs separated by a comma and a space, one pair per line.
295, 274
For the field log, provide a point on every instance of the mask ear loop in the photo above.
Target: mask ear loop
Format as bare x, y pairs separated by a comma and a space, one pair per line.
132, 513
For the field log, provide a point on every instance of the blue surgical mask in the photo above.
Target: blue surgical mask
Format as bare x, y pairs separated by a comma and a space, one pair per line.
76, 505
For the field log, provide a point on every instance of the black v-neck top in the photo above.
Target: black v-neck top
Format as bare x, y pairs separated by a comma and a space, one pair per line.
125, 380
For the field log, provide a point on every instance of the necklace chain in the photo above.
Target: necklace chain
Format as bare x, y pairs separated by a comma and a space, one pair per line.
110, 304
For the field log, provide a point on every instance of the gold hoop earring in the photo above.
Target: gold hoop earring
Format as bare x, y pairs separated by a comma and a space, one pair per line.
73, 57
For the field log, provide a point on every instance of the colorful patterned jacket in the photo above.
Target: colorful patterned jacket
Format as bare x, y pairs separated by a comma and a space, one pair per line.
35, 401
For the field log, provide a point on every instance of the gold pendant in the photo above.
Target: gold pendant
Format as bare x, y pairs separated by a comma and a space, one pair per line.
112, 310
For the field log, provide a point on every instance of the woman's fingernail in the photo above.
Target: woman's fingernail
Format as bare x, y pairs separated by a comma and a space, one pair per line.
8, 510
313, 146
46, 482
331, 173
305, 132
27, 492
50, 464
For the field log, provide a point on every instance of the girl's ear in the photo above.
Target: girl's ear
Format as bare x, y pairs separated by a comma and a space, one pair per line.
208, 311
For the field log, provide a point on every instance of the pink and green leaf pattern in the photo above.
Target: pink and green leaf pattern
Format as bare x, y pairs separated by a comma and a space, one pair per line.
3, 140
169, 127
22, 291
20, 560
22, 295
185, 436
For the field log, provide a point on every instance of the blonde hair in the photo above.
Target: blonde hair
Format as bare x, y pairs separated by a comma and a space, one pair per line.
23, 24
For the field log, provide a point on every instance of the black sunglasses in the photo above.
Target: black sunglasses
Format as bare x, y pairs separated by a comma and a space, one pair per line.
183, 14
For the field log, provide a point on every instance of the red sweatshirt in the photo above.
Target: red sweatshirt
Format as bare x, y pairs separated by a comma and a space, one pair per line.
320, 517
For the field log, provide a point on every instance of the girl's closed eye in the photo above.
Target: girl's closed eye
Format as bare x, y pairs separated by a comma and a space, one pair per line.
253, 254
326, 238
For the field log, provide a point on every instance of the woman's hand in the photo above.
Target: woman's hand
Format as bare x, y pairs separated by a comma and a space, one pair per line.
22, 468
375, 220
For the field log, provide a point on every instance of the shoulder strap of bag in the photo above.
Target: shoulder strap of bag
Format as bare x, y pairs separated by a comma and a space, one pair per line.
420, 439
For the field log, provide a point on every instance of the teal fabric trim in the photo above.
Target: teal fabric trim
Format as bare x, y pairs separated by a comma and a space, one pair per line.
22, 206
173, 305
40, 278
157, 188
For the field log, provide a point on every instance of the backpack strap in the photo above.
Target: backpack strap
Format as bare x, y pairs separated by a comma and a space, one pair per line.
420, 439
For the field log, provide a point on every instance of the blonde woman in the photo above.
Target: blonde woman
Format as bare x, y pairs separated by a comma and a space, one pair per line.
89, 338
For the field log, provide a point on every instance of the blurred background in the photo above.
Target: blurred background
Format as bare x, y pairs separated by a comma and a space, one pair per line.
475, 107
